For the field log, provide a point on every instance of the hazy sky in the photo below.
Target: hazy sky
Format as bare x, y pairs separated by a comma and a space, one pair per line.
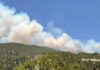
79, 18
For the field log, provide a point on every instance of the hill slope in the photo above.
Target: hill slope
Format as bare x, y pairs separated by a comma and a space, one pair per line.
61, 61
31, 57
13, 54
20, 49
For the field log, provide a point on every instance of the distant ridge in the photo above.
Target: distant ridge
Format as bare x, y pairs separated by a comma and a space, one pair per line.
23, 49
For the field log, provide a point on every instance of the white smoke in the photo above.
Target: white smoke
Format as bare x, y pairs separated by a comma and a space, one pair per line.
18, 28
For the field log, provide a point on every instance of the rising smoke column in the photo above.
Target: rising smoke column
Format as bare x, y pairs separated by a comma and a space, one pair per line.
18, 28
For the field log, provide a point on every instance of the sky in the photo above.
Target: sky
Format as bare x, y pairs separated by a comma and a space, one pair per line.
78, 18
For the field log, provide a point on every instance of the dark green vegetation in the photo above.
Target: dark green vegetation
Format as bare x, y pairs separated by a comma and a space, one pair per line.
61, 61
20, 49
13, 54
26, 57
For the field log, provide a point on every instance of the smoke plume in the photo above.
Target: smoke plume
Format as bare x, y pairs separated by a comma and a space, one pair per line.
18, 28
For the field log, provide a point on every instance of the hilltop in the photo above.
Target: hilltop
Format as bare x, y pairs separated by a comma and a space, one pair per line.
21, 49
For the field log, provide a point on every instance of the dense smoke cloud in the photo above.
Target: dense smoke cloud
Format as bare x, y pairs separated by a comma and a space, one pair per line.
18, 28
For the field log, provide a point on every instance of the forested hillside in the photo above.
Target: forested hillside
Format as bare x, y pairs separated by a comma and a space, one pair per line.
27, 57
12, 54
62, 61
